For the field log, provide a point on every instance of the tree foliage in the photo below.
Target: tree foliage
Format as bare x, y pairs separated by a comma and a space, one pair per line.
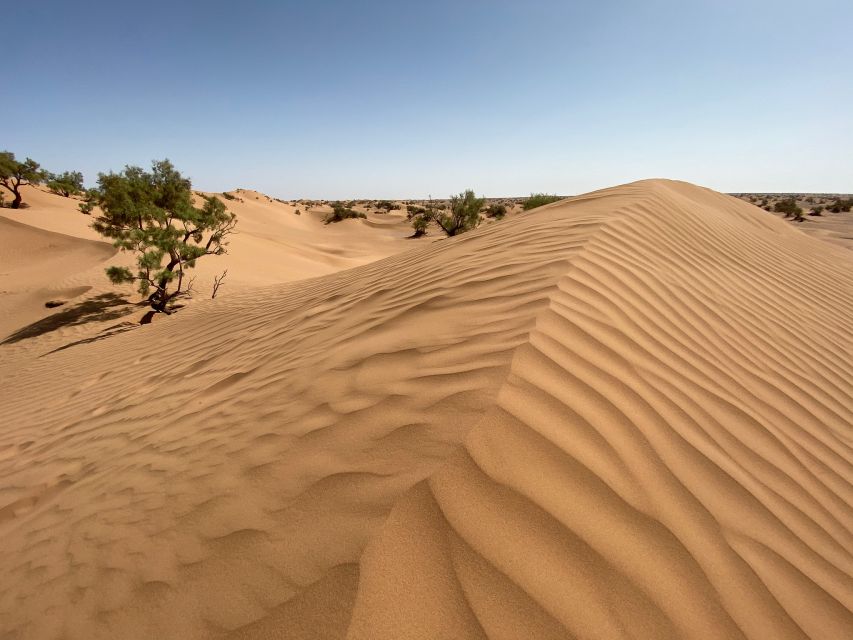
66, 184
151, 214
14, 175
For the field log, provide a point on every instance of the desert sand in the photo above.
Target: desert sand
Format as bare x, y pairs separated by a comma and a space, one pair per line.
624, 415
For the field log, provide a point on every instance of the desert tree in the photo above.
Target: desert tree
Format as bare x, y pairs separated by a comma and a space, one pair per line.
14, 175
66, 184
151, 214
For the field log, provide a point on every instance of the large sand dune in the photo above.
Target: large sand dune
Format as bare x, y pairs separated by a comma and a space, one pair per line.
625, 415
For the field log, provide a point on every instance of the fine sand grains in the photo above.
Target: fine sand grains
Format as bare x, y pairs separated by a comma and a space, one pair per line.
627, 414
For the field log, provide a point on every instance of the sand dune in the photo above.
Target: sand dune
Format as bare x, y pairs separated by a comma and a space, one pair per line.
627, 414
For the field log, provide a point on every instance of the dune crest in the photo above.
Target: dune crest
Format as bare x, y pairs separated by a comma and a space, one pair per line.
626, 414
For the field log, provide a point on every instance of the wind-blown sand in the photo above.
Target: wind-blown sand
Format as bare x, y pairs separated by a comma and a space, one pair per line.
627, 414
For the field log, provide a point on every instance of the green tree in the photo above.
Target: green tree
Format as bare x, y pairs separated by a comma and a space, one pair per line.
66, 184
14, 175
151, 214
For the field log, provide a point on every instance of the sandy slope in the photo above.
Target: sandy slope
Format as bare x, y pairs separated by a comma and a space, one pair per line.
57, 256
624, 415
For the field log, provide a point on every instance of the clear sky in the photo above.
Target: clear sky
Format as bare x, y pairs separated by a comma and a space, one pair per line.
399, 98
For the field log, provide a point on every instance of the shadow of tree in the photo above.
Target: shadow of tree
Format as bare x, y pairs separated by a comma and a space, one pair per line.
106, 333
107, 306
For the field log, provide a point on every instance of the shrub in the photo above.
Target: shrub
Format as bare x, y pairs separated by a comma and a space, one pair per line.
14, 175
341, 212
387, 205
817, 211
151, 214
496, 210
539, 199
420, 223
66, 184
228, 196
464, 215
414, 210
789, 207
840, 205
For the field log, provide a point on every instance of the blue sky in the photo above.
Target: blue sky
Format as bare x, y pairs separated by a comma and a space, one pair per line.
404, 99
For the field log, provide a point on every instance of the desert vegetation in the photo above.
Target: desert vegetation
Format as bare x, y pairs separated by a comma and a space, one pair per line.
464, 215
340, 212
151, 215
15, 174
387, 206
67, 184
539, 199
496, 210
789, 207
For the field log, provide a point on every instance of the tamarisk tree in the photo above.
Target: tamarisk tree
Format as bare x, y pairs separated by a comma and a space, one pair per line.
151, 214
15, 174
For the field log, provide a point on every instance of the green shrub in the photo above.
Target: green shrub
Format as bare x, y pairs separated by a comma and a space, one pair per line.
228, 196
539, 199
496, 210
414, 210
341, 212
817, 211
789, 207
387, 205
464, 215
840, 205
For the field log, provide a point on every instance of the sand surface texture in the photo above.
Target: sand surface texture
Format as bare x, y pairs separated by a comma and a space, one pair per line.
624, 415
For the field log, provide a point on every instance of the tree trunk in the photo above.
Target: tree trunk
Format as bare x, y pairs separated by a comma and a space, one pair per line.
16, 203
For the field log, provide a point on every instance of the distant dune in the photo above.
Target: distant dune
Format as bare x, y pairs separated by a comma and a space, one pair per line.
624, 415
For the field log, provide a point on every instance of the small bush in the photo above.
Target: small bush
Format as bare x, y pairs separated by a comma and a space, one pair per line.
341, 212
414, 210
387, 205
539, 199
817, 211
789, 207
840, 205
420, 223
496, 211
228, 196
